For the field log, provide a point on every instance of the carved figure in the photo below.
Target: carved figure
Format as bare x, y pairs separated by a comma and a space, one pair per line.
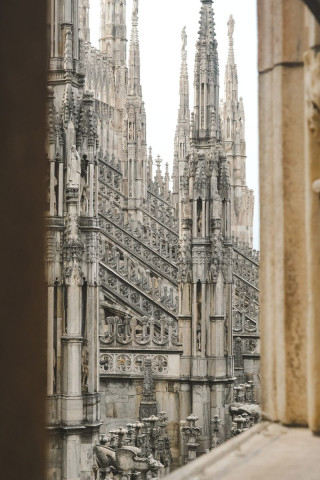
135, 9
199, 222
68, 50
84, 197
184, 39
74, 167
198, 337
84, 367
231, 23
125, 459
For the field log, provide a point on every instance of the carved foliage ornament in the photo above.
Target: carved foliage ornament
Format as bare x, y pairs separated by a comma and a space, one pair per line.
113, 363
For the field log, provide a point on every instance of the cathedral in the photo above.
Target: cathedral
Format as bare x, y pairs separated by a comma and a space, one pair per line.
153, 284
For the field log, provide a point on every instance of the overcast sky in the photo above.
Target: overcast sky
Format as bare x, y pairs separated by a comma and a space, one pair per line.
160, 25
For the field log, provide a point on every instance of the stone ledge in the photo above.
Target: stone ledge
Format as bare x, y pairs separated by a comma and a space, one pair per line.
267, 451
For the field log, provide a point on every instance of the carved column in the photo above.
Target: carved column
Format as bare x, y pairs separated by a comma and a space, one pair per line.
50, 334
72, 402
60, 187
52, 186
91, 182
96, 209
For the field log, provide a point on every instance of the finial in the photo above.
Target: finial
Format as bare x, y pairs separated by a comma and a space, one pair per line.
158, 161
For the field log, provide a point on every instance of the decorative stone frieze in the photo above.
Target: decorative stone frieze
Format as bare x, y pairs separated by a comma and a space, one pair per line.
139, 333
131, 364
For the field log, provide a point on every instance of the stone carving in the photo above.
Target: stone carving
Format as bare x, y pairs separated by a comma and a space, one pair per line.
53, 247
250, 345
216, 431
231, 24
135, 8
184, 39
190, 433
237, 322
74, 167
115, 363
238, 360
135, 452
148, 405
68, 50
84, 368
250, 325
125, 460
84, 197
165, 249
141, 301
147, 332
73, 247
245, 412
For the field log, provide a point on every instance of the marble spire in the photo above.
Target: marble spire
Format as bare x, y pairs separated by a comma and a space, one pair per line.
206, 73
184, 111
231, 75
183, 126
134, 86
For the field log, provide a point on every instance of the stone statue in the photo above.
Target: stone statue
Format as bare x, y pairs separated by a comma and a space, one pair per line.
84, 197
68, 65
231, 23
135, 9
74, 167
184, 39
84, 368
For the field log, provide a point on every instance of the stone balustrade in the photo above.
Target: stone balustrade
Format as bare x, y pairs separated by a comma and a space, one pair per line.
144, 332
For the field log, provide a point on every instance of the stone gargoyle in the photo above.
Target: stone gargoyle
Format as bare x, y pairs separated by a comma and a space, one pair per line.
125, 459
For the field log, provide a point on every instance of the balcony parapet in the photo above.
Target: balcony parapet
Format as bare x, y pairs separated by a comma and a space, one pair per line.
266, 451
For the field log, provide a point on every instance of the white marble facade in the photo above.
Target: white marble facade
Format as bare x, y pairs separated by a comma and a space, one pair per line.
135, 270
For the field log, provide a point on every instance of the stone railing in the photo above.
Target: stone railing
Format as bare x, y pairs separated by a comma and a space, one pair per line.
160, 209
159, 235
131, 363
110, 175
143, 333
159, 302
109, 194
245, 307
252, 281
245, 269
243, 249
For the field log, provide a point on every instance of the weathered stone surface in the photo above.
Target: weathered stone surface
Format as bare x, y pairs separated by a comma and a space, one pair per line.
288, 167
271, 450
